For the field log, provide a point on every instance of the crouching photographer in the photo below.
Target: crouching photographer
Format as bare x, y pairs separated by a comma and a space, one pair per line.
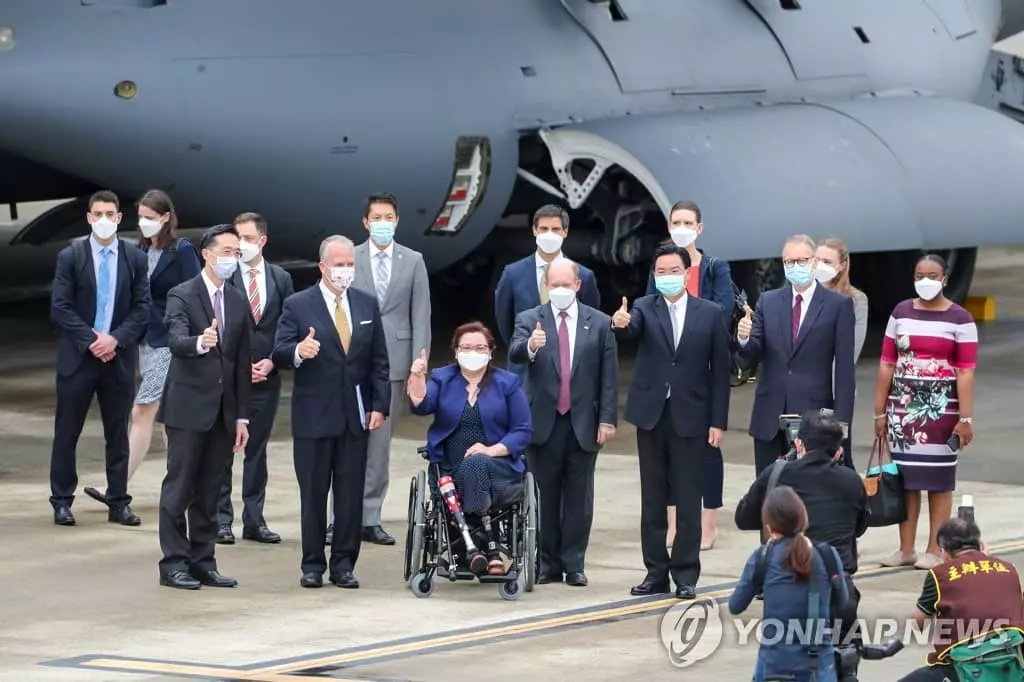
833, 495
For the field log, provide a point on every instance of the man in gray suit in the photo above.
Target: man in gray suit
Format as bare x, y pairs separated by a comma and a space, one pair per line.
396, 275
572, 378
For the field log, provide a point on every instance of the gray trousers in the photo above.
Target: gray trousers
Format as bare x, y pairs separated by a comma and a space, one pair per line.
378, 459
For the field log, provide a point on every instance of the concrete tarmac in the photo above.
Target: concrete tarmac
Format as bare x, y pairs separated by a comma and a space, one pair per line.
82, 604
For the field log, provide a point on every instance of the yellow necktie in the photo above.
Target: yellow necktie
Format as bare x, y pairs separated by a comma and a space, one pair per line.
543, 287
341, 322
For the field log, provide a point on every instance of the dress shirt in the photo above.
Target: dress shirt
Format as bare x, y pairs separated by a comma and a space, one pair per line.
375, 258
678, 316
261, 281
212, 288
571, 321
108, 316
330, 300
541, 264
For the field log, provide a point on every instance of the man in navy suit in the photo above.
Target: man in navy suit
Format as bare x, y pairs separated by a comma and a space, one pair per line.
798, 333
678, 400
100, 306
332, 334
521, 286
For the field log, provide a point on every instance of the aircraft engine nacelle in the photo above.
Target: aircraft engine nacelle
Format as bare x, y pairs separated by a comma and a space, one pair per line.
884, 173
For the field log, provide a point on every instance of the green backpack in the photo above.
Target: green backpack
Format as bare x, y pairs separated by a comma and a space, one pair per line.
991, 658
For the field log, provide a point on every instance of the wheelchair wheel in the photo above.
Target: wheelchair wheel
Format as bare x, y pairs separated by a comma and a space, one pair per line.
417, 529
421, 586
511, 590
531, 520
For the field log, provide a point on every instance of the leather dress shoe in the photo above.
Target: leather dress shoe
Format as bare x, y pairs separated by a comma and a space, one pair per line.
576, 579
180, 580
261, 534
377, 536
685, 591
124, 515
62, 516
345, 579
329, 535
96, 495
311, 580
548, 578
649, 587
225, 536
214, 579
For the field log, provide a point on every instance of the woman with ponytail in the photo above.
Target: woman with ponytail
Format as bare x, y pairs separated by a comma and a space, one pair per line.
790, 566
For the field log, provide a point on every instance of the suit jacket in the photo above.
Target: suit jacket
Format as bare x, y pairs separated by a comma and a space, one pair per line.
406, 307
177, 264
798, 377
594, 384
517, 291
199, 386
261, 344
697, 370
324, 395
73, 308
503, 410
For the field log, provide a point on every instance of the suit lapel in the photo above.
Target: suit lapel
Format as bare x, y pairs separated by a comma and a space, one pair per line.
547, 323
361, 333
661, 312
326, 316
784, 319
691, 312
528, 279
163, 261
398, 272
815, 305
582, 333
122, 281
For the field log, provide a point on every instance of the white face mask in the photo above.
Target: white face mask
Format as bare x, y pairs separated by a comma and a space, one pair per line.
471, 361
149, 227
562, 297
928, 289
249, 251
682, 236
341, 277
549, 242
825, 273
104, 228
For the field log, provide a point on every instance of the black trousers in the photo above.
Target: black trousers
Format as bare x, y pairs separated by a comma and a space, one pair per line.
254, 465
321, 465
565, 479
195, 471
115, 390
848, 614
932, 673
767, 451
670, 474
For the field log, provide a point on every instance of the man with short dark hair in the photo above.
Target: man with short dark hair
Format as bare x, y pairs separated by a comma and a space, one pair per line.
100, 306
521, 285
679, 402
205, 408
266, 286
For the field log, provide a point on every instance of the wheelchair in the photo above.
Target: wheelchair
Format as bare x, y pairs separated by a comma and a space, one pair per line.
435, 547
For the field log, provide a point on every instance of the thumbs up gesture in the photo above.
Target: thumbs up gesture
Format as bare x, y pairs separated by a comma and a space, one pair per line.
745, 325
419, 365
621, 318
537, 339
210, 335
309, 347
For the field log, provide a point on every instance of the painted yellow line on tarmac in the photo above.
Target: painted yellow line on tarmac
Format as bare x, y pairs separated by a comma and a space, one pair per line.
222, 673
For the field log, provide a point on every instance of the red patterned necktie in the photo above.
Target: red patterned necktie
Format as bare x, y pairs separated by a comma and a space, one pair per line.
254, 295
796, 315
564, 400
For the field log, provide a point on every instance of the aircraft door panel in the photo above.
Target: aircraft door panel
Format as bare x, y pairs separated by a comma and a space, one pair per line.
955, 16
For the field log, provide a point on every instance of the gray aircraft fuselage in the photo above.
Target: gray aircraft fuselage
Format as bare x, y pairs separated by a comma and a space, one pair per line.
778, 117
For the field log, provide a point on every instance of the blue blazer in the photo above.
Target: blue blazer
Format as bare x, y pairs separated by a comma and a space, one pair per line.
178, 263
715, 284
504, 411
517, 291
795, 377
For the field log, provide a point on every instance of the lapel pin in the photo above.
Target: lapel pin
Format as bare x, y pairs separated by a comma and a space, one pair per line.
586, 327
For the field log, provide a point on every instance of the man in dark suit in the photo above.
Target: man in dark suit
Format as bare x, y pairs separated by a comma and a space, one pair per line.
333, 336
520, 287
573, 384
205, 409
798, 333
100, 304
679, 401
266, 286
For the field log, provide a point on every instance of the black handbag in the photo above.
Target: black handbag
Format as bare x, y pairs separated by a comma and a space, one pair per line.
884, 486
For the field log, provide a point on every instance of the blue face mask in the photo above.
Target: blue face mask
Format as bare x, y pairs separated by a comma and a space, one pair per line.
670, 285
799, 275
382, 232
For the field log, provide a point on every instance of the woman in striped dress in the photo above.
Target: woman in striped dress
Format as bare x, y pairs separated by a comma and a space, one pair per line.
924, 396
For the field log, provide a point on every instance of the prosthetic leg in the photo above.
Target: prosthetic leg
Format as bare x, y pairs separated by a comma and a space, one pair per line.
477, 561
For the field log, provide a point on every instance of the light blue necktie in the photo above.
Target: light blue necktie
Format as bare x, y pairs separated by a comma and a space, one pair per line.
102, 289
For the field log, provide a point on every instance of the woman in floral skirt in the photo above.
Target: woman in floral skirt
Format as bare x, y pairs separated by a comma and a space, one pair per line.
924, 396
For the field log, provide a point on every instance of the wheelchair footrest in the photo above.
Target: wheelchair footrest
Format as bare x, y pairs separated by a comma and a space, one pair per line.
487, 578
460, 573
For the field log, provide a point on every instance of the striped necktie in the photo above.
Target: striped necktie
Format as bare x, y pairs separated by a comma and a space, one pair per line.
254, 295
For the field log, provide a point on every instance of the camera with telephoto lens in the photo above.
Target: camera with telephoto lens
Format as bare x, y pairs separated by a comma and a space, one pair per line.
849, 656
789, 424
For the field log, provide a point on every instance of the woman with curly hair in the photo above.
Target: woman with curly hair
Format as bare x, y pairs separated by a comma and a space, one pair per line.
923, 399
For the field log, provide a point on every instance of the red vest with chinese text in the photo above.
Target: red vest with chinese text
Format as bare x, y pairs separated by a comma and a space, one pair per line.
977, 593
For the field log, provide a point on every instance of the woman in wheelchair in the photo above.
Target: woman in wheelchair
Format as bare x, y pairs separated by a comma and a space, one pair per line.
970, 592
480, 430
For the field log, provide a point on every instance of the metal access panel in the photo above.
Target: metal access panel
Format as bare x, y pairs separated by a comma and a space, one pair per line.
819, 36
955, 16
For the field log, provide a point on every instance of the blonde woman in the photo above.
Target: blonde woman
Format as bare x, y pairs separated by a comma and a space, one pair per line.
834, 272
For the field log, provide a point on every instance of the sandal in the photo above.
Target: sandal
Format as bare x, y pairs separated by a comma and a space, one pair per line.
897, 558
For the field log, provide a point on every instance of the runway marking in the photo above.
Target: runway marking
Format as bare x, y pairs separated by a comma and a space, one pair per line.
280, 670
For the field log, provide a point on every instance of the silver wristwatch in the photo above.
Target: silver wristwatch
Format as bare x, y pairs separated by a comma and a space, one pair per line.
965, 420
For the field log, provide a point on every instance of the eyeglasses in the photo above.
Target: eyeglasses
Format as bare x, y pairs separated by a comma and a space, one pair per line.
797, 261
474, 349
